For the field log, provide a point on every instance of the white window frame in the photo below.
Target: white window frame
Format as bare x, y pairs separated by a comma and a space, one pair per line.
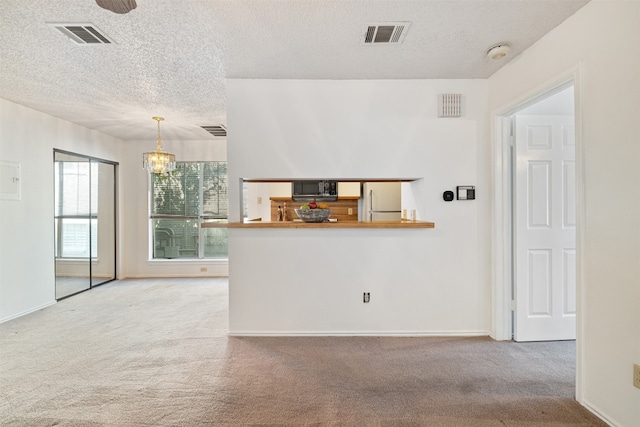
91, 215
200, 218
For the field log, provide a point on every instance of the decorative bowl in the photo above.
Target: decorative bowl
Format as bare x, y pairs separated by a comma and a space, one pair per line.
313, 215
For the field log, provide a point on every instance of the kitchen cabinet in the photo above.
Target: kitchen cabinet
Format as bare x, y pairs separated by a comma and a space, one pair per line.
280, 189
349, 189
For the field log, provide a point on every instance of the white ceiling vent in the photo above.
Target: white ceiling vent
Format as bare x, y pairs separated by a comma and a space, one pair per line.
450, 105
385, 32
217, 131
82, 34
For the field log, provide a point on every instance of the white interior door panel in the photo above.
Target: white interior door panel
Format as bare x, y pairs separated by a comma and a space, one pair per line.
545, 222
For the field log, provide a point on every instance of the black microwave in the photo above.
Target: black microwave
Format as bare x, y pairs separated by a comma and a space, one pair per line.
314, 189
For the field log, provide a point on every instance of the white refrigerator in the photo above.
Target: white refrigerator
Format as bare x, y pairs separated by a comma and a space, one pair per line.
381, 201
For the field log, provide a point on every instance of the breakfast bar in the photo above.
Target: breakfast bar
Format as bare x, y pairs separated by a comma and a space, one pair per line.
302, 262
327, 225
300, 278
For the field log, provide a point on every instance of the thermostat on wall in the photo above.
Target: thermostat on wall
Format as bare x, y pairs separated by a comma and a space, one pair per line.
447, 196
466, 192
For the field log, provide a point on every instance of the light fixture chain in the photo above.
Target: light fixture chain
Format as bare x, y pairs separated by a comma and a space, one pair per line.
159, 146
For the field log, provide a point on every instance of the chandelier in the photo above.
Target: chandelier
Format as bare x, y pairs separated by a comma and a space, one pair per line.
158, 161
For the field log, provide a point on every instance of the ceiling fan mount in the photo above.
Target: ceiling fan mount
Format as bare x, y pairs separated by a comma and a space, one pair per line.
117, 6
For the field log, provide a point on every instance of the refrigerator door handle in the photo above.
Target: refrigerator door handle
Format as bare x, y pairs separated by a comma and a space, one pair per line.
371, 211
370, 205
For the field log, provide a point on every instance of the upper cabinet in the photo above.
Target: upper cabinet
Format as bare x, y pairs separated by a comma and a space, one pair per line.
348, 189
345, 189
280, 189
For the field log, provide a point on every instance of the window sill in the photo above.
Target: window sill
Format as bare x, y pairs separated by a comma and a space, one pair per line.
188, 261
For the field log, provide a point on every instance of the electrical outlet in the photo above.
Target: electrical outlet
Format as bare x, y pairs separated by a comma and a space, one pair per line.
259, 200
203, 269
350, 212
366, 297
636, 375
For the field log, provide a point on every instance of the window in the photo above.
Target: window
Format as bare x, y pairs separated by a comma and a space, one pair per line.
76, 211
181, 202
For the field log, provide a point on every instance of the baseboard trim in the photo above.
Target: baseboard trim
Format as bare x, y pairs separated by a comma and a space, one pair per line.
172, 276
358, 334
24, 313
598, 413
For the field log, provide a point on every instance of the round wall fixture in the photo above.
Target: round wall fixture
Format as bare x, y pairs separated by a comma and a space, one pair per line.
447, 196
498, 51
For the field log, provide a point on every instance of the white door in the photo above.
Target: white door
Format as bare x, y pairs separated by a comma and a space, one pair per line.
545, 224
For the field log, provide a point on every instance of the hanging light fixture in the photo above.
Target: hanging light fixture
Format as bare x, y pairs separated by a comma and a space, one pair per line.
158, 161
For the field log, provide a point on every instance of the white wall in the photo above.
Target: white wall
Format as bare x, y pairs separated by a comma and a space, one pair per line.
603, 38
351, 130
28, 137
258, 191
135, 240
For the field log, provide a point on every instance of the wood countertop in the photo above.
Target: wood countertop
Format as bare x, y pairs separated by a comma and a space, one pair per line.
289, 199
343, 224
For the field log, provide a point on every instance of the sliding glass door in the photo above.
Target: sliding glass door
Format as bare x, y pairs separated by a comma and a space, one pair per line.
85, 226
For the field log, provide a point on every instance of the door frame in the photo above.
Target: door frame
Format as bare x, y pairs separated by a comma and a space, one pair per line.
115, 218
502, 235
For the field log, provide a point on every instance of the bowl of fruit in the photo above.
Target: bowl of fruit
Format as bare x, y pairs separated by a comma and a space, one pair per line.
313, 212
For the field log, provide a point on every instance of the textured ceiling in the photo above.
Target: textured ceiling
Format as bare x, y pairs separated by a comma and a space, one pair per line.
171, 58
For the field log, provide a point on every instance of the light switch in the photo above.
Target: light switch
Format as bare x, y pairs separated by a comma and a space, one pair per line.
466, 192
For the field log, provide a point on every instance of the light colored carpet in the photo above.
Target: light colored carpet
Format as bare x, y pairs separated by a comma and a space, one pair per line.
155, 353
66, 286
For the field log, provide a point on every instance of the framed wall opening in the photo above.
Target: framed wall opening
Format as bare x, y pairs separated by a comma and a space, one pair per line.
503, 204
84, 222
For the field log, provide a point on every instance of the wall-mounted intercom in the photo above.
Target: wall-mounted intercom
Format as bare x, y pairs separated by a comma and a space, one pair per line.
466, 192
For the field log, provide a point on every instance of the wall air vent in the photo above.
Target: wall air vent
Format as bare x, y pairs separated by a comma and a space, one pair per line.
450, 105
385, 32
217, 131
82, 34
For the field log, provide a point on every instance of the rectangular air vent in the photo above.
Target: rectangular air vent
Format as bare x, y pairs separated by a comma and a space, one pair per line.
450, 105
217, 131
385, 32
82, 34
